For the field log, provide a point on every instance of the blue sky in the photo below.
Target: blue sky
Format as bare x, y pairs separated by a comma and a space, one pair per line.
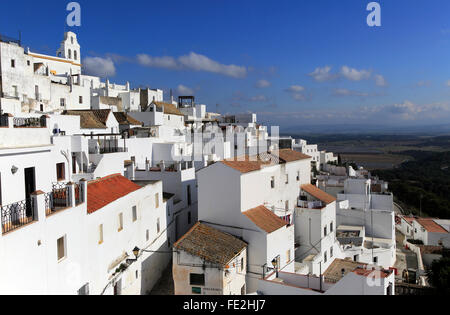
295, 62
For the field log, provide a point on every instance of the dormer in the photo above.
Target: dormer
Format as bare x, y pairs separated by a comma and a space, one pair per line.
70, 49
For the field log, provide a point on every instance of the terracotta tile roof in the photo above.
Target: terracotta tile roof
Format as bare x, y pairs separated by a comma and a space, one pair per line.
247, 164
372, 273
318, 193
210, 244
265, 219
431, 226
341, 267
91, 119
105, 190
169, 109
289, 155
124, 119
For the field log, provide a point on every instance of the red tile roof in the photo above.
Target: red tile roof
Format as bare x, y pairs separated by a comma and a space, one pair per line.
372, 273
289, 155
318, 193
210, 244
265, 219
431, 226
105, 190
247, 164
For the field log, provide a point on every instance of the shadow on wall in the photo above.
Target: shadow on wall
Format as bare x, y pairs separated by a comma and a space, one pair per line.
153, 267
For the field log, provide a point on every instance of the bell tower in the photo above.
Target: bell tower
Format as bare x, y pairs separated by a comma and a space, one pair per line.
70, 49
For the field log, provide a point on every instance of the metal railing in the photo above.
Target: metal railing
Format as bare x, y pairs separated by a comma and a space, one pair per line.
105, 150
31, 122
17, 215
79, 194
60, 197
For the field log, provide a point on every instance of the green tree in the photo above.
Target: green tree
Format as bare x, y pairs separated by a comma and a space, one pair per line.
439, 275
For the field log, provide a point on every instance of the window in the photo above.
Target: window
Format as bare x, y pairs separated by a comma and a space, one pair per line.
71, 39
168, 117
196, 290
325, 231
28, 63
331, 251
325, 257
120, 222
242, 266
157, 200
61, 248
288, 256
60, 172
197, 279
13, 63
189, 217
62, 102
158, 227
75, 55
80, 100
134, 210
287, 179
100, 234
147, 235
70, 54
298, 176
331, 227
137, 274
375, 259
272, 182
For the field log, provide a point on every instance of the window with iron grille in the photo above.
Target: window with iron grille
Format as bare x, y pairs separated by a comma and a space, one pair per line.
196, 279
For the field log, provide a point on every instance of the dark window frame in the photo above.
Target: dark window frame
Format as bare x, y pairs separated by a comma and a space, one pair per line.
197, 279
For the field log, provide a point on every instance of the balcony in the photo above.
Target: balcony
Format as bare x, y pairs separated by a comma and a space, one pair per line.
17, 215
311, 204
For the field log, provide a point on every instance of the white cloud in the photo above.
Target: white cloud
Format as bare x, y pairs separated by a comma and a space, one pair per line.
263, 84
296, 92
192, 61
354, 74
322, 74
345, 92
184, 90
258, 98
380, 80
295, 88
100, 67
158, 62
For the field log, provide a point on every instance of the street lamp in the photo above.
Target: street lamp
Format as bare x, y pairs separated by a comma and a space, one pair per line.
275, 265
135, 251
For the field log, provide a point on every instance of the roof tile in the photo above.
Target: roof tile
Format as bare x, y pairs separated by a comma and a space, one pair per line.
265, 219
105, 190
210, 244
318, 193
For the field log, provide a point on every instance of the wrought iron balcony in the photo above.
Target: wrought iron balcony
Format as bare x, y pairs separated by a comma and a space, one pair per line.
17, 215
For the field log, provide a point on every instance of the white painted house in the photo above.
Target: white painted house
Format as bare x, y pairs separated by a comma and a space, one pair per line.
253, 198
207, 261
